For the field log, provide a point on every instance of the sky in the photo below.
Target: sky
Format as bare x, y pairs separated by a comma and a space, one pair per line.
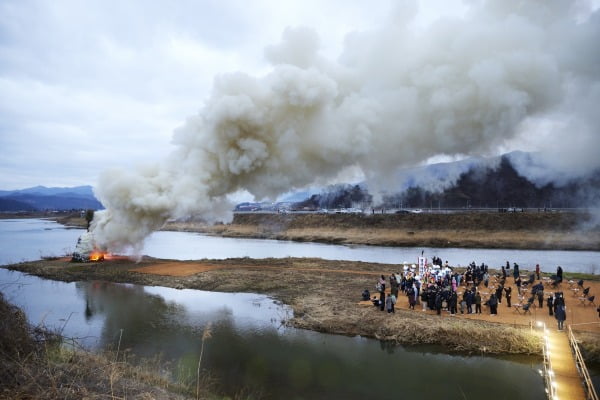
90, 85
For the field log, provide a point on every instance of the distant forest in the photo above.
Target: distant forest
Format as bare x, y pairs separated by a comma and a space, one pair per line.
480, 187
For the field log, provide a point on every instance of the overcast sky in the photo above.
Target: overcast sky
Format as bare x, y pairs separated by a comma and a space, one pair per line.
89, 85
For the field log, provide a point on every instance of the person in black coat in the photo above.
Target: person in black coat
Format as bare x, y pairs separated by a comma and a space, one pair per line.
452, 303
468, 296
508, 292
493, 303
561, 316
366, 295
499, 290
540, 295
550, 304
438, 303
559, 274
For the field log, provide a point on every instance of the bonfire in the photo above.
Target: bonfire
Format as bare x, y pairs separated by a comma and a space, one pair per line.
86, 250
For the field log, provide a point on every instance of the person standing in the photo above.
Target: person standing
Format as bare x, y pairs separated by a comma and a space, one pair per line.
468, 296
516, 271
410, 293
550, 304
540, 295
382, 300
508, 292
537, 271
499, 290
438, 303
452, 303
394, 287
518, 283
390, 303
477, 303
559, 274
561, 315
493, 303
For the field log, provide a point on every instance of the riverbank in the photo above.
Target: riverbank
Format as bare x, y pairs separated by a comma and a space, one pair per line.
325, 297
529, 230
34, 364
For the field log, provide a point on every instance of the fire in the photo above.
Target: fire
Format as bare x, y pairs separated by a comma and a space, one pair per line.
98, 256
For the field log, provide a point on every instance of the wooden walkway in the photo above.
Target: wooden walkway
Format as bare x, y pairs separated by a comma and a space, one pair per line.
568, 383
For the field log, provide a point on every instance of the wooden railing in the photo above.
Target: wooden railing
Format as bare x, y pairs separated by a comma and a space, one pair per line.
588, 384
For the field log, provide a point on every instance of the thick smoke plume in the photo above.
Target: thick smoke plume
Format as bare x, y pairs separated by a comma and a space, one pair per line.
508, 72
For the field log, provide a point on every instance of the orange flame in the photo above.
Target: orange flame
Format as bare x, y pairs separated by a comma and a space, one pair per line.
98, 256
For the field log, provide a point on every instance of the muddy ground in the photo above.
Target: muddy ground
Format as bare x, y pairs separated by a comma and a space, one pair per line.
325, 297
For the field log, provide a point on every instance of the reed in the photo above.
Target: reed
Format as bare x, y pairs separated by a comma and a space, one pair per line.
206, 334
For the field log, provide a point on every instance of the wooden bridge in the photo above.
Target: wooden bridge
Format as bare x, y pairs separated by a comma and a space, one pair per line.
565, 372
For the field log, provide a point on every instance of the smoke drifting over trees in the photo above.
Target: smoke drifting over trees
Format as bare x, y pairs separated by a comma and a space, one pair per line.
509, 72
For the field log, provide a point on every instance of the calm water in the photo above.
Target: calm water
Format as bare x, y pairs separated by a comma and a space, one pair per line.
250, 348
189, 246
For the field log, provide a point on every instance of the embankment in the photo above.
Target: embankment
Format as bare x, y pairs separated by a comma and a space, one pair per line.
528, 230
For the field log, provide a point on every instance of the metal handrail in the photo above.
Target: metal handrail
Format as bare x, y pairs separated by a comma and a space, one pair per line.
583, 371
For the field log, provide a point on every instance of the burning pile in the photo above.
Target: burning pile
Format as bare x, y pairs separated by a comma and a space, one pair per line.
86, 250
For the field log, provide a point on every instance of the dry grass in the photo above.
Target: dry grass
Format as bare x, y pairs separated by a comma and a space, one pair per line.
35, 364
477, 230
590, 346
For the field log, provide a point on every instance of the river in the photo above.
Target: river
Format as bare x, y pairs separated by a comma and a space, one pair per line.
29, 239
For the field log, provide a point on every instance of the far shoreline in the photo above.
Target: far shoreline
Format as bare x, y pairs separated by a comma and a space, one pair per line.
566, 231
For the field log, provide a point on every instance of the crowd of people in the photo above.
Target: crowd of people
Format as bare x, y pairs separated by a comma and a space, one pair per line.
442, 288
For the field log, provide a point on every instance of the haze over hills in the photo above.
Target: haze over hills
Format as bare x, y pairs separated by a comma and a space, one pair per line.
41, 198
496, 182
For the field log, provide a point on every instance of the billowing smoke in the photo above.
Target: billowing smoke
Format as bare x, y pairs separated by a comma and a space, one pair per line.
506, 73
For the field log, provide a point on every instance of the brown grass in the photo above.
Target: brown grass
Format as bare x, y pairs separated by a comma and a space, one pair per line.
529, 230
34, 364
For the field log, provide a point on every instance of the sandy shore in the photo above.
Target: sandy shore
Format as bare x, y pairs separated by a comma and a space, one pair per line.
325, 297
